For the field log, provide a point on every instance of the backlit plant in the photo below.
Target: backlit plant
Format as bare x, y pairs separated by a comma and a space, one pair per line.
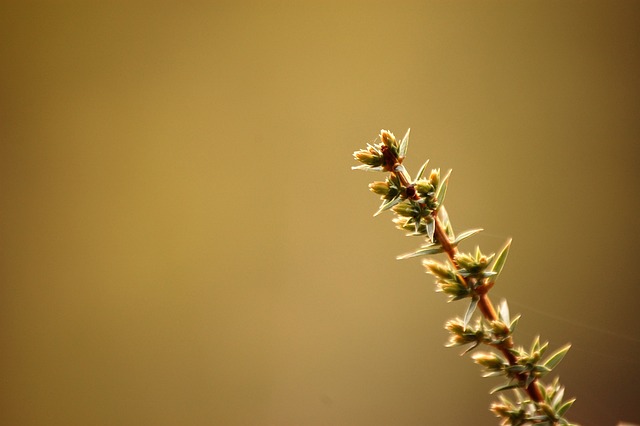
418, 207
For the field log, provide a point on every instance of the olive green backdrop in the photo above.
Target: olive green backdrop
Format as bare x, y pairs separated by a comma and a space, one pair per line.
183, 241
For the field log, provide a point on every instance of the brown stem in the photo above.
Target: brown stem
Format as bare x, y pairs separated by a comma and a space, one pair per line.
484, 303
486, 308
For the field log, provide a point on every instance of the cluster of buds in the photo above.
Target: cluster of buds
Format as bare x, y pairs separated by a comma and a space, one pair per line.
418, 205
461, 334
524, 411
414, 201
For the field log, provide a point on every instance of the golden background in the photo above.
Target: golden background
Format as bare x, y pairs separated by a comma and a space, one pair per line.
183, 241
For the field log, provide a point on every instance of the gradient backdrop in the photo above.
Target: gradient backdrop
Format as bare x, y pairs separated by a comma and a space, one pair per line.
183, 242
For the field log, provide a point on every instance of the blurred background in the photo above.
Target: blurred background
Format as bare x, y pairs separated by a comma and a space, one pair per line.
183, 241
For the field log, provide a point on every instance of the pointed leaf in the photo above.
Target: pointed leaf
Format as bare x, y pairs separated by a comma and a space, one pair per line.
504, 387
386, 205
449, 230
557, 398
502, 258
422, 252
422, 169
367, 168
465, 235
535, 345
442, 189
542, 389
444, 219
402, 151
503, 312
514, 324
529, 380
556, 357
563, 409
431, 229
470, 348
542, 349
472, 308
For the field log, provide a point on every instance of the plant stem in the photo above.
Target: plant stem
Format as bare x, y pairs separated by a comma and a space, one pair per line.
486, 307
417, 205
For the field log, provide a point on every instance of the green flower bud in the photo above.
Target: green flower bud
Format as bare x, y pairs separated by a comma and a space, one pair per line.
455, 326
500, 329
438, 269
489, 361
406, 209
434, 177
380, 188
371, 156
424, 188
501, 410
388, 139
465, 261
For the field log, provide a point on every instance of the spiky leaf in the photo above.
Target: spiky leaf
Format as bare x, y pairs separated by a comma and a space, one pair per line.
501, 259
504, 387
465, 235
564, 407
431, 249
470, 310
386, 205
503, 312
402, 151
556, 357
442, 189
422, 169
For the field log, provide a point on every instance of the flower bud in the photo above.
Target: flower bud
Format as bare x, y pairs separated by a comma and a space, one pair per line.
405, 209
500, 329
438, 269
489, 361
434, 177
424, 187
455, 326
380, 188
388, 139
501, 410
371, 157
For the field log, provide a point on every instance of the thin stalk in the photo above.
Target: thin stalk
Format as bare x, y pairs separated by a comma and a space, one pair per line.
416, 204
486, 307
484, 303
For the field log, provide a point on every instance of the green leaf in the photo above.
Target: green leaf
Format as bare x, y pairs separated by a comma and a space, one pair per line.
465, 235
501, 259
503, 312
529, 380
514, 324
470, 348
367, 168
442, 189
542, 389
504, 387
422, 169
431, 229
402, 151
556, 357
386, 205
564, 407
432, 249
472, 308
535, 345
557, 398
444, 219
450, 233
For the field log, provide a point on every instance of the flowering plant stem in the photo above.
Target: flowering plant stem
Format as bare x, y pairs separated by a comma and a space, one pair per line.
488, 312
419, 209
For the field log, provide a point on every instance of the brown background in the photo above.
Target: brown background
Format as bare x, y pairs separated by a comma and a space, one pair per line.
183, 243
